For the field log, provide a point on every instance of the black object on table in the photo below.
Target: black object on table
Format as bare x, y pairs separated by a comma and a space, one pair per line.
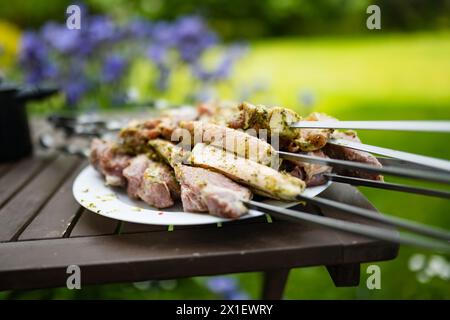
15, 140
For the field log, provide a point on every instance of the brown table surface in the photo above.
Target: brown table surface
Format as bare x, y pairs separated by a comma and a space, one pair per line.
43, 231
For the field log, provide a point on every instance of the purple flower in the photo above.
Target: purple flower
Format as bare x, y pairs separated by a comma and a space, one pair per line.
74, 90
227, 287
201, 73
224, 67
39, 74
32, 48
73, 42
101, 29
139, 28
222, 284
192, 38
163, 33
71, 57
230, 57
237, 295
157, 53
113, 68
33, 58
61, 38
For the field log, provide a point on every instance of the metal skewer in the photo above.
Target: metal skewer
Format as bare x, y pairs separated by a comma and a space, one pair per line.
405, 156
387, 185
393, 162
383, 218
395, 171
418, 126
356, 228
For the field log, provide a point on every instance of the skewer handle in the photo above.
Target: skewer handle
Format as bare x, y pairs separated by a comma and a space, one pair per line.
428, 175
439, 164
356, 228
417, 126
382, 218
387, 186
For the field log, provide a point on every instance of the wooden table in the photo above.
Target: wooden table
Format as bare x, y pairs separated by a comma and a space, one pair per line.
43, 231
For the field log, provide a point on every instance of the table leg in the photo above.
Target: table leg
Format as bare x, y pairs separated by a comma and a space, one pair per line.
274, 283
345, 275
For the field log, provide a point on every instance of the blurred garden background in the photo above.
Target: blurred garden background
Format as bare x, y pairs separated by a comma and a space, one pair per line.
306, 55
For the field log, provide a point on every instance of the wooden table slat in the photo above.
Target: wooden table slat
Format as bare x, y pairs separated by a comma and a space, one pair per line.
4, 167
56, 217
163, 255
129, 227
15, 215
21, 173
155, 255
93, 224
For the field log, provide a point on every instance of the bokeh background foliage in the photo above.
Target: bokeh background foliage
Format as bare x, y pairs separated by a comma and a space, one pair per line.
307, 55
243, 19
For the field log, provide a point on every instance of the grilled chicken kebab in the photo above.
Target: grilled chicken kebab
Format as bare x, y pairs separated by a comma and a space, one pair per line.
214, 158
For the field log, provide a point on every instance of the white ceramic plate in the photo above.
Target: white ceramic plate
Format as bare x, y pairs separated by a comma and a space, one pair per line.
91, 192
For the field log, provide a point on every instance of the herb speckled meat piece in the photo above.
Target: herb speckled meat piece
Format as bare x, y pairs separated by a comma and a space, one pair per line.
159, 187
170, 153
203, 190
311, 173
344, 153
109, 160
231, 140
138, 132
151, 181
277, 121
261, 179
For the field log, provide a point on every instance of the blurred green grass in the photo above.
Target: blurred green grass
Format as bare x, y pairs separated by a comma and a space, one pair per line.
373, 71
375, 77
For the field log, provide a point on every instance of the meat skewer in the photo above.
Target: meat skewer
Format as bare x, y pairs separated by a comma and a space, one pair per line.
215, 134
240, 170
206, 174
361, 163
219, 200
209, 178
320, 127
339, 145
